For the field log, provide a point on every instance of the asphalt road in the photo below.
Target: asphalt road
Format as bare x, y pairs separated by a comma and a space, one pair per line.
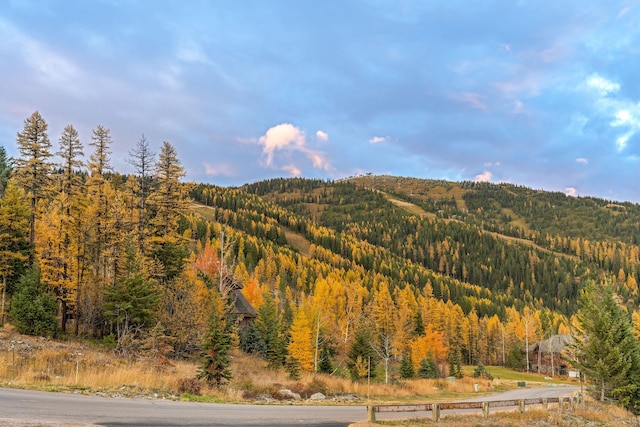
61, 408
34, 408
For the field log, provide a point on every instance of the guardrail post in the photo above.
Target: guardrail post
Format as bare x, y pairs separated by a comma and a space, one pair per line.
561, 404
485, 409
521, 406
545, 403
371, 413
435, 412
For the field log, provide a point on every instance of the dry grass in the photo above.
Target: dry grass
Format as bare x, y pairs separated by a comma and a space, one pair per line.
298, 241
35, 363
30, 362
592, 414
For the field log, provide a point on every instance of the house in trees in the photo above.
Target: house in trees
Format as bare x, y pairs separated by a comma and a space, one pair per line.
245, 312
231, 286
549, 357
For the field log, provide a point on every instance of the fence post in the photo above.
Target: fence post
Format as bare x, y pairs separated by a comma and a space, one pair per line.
572, 404
521, 405
485, 409
435, 412
371, 413
545, 403
561, 404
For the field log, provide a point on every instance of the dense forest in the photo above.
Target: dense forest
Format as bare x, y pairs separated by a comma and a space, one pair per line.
413, 275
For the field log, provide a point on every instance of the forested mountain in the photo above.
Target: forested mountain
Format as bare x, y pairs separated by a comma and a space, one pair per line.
437, 273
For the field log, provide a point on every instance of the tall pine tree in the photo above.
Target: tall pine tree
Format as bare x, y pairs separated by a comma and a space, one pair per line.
215, 359
33, 170
605, 348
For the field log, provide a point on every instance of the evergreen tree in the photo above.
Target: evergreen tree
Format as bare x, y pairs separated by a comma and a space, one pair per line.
406, 367
605, 349
455, 368
33, 310
250, 340
33, 170
324, 364
481, 371
6, 167
362, 360
168, 199
14, 240
428, 368
215, 360
143, 160
131, 303
268, 325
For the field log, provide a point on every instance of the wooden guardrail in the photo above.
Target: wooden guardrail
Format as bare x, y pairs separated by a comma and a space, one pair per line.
436, 408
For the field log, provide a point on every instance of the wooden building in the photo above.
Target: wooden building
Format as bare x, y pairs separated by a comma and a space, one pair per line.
549, 356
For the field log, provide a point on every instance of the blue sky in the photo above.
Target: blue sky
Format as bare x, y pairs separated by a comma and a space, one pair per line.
540, 93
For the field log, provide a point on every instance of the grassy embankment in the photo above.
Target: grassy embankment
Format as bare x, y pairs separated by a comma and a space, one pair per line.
56, 365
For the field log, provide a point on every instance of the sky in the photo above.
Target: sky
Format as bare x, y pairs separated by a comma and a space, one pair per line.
544, 93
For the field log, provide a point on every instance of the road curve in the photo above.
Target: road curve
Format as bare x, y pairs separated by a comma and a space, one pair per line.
36, 408
24, 406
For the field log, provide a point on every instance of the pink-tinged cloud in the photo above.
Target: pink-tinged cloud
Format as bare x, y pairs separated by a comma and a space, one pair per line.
377, 139
322, 136
570, 191
287, 137
484, 177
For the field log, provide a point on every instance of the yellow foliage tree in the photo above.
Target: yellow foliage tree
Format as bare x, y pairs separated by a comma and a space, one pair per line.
301, 345
431, 344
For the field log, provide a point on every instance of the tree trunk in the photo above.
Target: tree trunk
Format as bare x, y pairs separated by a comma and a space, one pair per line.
4, 293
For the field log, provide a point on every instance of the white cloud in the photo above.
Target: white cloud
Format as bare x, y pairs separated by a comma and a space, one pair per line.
622, 117
602, 85
287, 137
582, 161
293, 170
322, 136
52, 69
621, 141
488, 164
484, 177
570, 191
626, 117
378, 139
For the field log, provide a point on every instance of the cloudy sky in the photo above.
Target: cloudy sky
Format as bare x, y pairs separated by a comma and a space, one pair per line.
542, 93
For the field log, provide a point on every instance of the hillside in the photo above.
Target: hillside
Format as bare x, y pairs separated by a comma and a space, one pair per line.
429, 224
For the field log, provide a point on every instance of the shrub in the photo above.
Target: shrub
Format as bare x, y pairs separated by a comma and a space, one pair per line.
481, 371
33, 309
189, 386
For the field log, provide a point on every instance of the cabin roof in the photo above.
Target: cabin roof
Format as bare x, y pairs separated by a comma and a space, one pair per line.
554, 344
242, 305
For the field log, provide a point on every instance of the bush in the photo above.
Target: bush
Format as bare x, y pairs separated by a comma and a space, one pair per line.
189, 386
428, 368
406, 367
481, 371
33, 309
